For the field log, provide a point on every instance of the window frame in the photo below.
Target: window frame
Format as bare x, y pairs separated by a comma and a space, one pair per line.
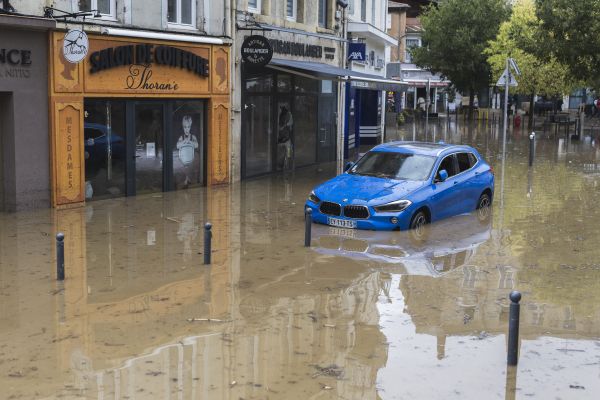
294, 16
257, 9
324, 4
471, 166
94, 6
179, 24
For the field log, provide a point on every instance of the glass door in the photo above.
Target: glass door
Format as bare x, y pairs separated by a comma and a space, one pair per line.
149, 123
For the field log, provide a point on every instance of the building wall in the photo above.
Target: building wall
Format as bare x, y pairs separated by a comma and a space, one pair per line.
397, 30
211, 16
24, 126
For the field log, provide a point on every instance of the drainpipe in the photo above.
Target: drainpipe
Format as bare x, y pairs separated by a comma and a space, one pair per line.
341, 100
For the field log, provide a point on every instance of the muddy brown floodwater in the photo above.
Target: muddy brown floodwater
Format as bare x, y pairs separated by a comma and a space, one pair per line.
359, 315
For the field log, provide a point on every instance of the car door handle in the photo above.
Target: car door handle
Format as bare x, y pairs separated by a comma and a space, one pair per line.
455, 182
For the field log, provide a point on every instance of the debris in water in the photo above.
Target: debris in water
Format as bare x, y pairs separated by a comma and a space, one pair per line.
577, 387
329, 326
232, 384
205, 320
332, 370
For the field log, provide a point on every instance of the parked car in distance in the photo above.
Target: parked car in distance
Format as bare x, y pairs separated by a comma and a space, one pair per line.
543, 105
404, 185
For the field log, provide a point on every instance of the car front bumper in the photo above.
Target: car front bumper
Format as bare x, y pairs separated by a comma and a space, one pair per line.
375, 221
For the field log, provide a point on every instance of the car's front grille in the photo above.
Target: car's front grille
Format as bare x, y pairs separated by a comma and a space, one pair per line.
330, 208
356, 212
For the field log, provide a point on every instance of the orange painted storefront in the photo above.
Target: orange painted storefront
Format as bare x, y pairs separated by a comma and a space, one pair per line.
72, 84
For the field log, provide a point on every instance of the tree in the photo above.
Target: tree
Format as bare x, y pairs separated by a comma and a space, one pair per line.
570, 31
456, 32
515, 37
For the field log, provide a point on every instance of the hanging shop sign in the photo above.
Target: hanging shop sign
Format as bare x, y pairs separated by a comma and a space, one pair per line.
256, 50
357, 51
75, 46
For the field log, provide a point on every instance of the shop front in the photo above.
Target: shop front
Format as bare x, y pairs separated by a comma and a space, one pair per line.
289, 112
138, 116
24, 148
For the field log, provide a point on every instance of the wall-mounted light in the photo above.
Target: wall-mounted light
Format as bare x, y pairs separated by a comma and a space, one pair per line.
342, 3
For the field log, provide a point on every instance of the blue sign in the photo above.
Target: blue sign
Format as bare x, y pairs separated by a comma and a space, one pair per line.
357, 51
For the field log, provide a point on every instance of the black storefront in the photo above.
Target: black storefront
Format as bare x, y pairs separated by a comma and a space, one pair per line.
288, 121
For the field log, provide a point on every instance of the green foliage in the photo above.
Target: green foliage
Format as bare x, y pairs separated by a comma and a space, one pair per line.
456, 33
515, 39
570, 32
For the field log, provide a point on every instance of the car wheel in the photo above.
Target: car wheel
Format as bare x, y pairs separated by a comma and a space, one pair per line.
483, 207
418, 231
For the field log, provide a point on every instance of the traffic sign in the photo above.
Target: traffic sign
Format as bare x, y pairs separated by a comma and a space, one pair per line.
504, 77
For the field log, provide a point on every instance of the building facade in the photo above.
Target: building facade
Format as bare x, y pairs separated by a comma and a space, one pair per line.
425, 90
286, 116
367, 21
291, 111
137, 101
24, 145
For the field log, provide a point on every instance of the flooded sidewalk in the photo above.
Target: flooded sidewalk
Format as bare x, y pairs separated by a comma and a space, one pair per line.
359, 315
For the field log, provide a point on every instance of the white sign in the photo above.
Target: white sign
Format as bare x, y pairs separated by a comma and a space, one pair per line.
75, 46
504, 77
150, 150
514, 66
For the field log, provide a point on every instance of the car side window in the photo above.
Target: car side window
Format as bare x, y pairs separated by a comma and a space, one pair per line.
447, 164
464, 161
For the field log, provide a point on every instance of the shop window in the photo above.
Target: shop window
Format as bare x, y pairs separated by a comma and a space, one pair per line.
106, 8
284, 83
262, 83
305, 138
104, 149
181, 12
258, 134
323, 13
291, 10
306, 85
254, 6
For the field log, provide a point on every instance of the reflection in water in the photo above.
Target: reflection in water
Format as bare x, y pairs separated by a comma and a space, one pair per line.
359, 315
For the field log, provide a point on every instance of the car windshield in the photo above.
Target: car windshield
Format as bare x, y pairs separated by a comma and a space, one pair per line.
410, 167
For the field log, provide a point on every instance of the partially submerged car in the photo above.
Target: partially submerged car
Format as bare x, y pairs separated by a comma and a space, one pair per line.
404, 185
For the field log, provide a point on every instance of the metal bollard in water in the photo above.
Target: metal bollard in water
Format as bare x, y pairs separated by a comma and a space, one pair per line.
207, 242
60, 256
513, 328
531, 148
307, 226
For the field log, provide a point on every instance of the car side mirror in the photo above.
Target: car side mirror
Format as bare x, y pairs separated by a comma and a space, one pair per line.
442, 176
348, 166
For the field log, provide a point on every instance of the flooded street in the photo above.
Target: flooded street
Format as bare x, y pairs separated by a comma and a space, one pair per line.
359, 315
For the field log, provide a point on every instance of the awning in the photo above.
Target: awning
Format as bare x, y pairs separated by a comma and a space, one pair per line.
317, 70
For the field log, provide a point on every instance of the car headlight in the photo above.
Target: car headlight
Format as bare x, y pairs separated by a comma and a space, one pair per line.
313, 197
394, 206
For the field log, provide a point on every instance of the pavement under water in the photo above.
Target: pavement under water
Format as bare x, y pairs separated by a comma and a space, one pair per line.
359, 315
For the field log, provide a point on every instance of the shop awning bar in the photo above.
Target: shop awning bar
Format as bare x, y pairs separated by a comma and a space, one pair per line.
316, 70
161, 36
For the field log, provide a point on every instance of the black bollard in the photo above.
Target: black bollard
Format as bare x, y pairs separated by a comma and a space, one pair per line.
307, 226
60, 256
207, 242
531, 148
513, 328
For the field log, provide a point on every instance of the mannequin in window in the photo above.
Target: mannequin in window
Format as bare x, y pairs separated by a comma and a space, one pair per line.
187, 144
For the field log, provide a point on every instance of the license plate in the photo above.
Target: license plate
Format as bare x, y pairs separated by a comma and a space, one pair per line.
343, 232
341, 223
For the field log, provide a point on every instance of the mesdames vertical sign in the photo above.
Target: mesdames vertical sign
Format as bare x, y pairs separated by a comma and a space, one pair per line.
147, 67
